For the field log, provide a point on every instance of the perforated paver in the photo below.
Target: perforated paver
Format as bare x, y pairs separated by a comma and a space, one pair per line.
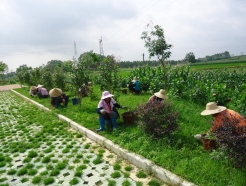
35, 144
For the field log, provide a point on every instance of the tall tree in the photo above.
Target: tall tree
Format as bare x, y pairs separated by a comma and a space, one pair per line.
190, 57
51, 65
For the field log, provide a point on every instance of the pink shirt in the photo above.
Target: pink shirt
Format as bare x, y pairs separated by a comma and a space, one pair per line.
104, 105
43, 91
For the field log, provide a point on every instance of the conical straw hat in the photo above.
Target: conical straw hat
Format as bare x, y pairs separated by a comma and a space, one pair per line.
55, 92
33, 88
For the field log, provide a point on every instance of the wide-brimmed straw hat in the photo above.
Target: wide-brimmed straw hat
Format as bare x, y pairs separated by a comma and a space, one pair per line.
39, 86
106, 94
33, 88
161, 94
55, 92
212, 108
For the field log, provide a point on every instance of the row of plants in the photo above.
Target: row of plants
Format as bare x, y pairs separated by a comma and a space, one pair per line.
171, 146
225, 86
39, 149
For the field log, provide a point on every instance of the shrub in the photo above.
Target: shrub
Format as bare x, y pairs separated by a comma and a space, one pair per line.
232, 139
157, 119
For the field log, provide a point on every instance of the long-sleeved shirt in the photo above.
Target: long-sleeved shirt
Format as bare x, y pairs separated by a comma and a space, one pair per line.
232, 117
155, 99
43, 91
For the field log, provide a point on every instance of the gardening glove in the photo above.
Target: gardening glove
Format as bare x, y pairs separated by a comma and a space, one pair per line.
124, 107
103, 111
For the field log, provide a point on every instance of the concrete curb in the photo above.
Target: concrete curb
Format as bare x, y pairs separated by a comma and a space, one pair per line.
137, 160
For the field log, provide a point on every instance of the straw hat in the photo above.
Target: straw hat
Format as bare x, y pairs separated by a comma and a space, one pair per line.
39, 86
106, 94
33, 88
135, 79
212, 108
55, 92
161, 94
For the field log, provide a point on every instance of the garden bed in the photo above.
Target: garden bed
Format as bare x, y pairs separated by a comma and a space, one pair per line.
180, 152
37, 148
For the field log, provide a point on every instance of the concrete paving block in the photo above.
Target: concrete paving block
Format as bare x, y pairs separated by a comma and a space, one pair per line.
82, 129
61, 117
124, 153
92, 135
116, 149
140, 162
169, 178
73, 125
107, 144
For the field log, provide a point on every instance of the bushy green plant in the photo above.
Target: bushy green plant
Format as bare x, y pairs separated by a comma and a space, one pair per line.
157, 120
108, 77
232, 139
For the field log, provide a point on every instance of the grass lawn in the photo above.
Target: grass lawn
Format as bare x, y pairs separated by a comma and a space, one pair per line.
179, 152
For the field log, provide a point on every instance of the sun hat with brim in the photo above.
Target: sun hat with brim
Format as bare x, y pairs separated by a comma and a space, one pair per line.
212, 108
33, 88
106, 94
55, 92
39, 86
161, 94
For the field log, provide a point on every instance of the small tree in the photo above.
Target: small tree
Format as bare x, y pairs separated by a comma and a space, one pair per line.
80, 75
108, 74
3, 69
47, 79
59, 78
23, 74
190, 57
157, 46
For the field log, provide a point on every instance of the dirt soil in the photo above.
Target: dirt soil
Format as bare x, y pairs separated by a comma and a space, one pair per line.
9, 87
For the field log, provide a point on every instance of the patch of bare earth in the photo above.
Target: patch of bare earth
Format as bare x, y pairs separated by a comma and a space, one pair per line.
9, 87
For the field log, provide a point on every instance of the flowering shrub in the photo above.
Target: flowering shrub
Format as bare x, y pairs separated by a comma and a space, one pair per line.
157, 119
232, 139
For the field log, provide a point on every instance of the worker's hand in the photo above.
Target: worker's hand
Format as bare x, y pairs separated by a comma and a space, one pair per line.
103, 111
124, 107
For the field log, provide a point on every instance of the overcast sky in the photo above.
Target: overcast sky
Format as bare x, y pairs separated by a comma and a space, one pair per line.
34, 32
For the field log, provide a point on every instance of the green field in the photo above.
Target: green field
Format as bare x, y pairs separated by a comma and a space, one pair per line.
234, 62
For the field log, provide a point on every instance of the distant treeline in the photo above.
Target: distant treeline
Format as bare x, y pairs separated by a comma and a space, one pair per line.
153, 63
219, 56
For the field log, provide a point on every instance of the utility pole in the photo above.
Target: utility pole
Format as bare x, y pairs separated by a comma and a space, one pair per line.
101, 47
143, 57
75, 57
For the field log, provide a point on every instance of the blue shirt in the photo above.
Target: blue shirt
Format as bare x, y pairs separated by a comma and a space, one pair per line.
137, 85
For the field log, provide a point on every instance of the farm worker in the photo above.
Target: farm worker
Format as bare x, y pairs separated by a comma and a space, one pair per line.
33, 91
106, 109
158, 97
42, 92
83, 91
135, 86
222, 114
58, 97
